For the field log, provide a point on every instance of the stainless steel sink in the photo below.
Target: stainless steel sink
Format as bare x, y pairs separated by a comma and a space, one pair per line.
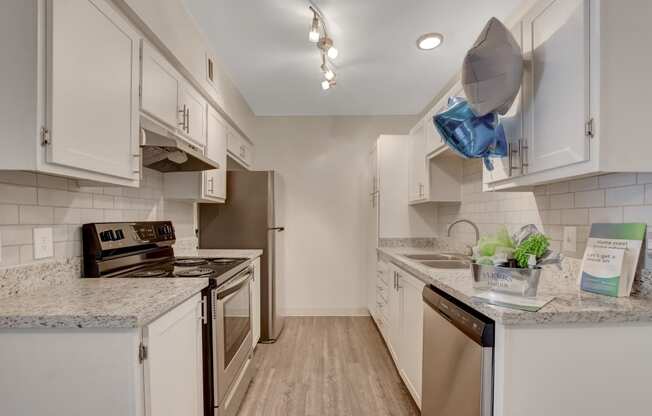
446, 264
439, 256
420, 257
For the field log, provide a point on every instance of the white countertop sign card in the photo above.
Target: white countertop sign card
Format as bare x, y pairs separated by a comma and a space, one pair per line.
611, 258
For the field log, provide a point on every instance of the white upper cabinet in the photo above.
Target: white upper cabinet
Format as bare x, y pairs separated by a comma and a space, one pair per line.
215, 180
70, 90
418, 181
240, 148
556, 84
161, 84
193, 107
585, 94
170, 99
513, 125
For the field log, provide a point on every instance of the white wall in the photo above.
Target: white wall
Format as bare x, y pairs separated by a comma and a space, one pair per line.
323, 163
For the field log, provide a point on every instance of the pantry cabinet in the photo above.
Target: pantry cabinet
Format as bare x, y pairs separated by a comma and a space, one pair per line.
154, 370
398, 312
69, 102
585, 93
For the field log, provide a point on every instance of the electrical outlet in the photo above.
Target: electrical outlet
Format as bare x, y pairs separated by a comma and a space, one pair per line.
569, 244
43, 243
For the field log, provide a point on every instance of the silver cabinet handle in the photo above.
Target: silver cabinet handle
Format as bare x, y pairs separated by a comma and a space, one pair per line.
188, 120
211, 181
183, 118
523, 148
204, 313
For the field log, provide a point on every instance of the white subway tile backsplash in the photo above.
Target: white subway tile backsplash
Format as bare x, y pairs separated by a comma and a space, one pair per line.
638, 214
67, 216
15, 235
53, 182
628, 195
103, 201
559, 201
612, 214
30, 214
27, 199
16, 194
8, 214
589, 199
617, 179
648, 194
584, 184
644, 178
17, 177
575, 216
558, 188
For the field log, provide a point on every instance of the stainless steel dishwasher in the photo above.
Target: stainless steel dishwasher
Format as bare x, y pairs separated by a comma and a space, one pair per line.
458, 350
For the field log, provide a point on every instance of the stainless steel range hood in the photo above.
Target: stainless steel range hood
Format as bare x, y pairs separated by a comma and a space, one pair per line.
164, 151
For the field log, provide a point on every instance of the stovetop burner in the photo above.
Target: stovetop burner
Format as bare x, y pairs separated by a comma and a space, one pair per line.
224, 260
149, 273
190, 262
197, 272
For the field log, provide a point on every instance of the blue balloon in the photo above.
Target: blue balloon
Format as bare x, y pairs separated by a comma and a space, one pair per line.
469, 135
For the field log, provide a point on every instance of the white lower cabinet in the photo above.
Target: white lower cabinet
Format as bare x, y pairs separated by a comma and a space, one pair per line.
255, 303
69, 102
398, 312
151, 371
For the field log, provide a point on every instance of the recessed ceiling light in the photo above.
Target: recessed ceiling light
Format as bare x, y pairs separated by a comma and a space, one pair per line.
429, 41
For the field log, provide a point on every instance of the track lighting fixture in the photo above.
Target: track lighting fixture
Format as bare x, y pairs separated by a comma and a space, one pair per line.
319, 35
326, 84
313, 35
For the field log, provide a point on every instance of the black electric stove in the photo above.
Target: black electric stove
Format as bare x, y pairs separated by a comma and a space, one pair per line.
144, 249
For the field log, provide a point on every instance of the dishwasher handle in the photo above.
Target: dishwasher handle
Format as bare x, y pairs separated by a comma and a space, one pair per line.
471, 322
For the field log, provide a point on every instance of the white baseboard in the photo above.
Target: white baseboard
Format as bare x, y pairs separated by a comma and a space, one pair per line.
326, 312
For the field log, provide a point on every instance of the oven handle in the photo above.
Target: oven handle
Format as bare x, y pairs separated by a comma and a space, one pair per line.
235, 284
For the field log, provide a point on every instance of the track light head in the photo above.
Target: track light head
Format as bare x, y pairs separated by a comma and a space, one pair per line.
314, 35
326, 45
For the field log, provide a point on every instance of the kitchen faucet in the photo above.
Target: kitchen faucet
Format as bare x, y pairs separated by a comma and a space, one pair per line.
471, 223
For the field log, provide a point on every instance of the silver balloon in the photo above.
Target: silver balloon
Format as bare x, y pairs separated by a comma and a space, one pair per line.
492, 70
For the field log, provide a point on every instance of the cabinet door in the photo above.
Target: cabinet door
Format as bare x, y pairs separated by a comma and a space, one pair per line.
417, 172
240, 148
394, 315
512, 123
195, 123
216, 137
93, 89
255, 303
556, 42
173, 366
411, 325
160, 88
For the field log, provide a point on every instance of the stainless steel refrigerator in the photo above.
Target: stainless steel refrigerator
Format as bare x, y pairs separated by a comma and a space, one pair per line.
250, 219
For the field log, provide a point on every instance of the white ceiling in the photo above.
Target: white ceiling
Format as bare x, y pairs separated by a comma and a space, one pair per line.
264, 46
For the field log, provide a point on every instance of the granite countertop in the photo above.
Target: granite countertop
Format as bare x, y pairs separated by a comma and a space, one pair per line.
569, 306
98, 303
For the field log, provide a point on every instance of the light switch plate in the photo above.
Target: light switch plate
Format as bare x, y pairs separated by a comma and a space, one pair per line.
43, 243
569, 243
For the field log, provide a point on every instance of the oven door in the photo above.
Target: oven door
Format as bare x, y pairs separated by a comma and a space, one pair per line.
231, 331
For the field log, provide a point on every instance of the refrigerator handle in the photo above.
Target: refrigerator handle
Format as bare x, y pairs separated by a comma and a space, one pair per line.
277, 228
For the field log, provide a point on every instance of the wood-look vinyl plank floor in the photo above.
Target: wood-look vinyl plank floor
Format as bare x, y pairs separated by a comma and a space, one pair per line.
327, 366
